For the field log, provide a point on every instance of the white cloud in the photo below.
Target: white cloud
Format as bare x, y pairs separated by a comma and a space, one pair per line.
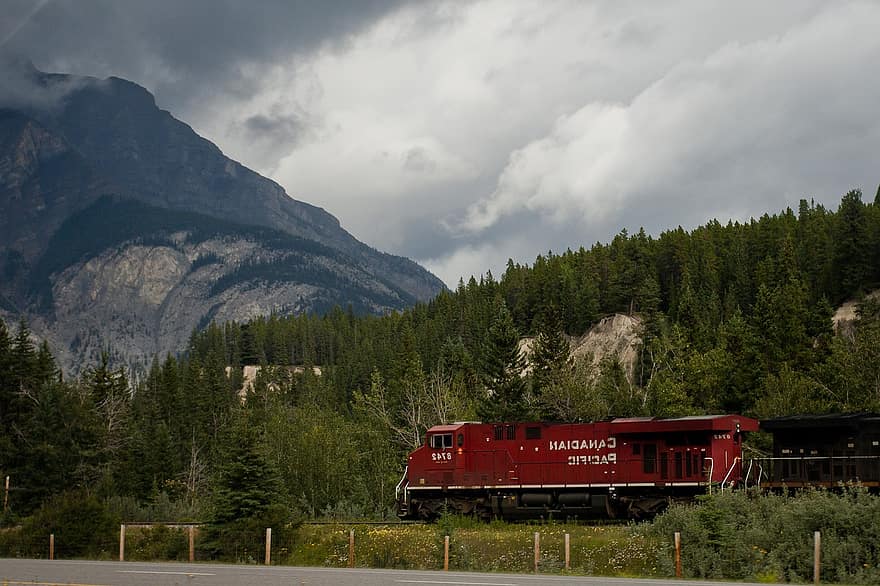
740, 132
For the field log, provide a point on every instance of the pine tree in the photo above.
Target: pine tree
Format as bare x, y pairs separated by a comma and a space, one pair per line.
24, 359
851, 261
502, 371
246, 484
7, 389
551, 357
104, 383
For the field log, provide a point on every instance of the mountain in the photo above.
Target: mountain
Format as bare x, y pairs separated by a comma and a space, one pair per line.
122, 228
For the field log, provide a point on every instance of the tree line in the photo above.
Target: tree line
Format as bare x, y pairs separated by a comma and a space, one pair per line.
733, 318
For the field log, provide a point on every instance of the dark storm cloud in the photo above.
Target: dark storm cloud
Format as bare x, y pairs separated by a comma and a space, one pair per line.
276, 129
179, 50
268, 136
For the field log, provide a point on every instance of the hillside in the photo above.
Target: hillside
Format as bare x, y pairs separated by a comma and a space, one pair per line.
725, 318
120, 227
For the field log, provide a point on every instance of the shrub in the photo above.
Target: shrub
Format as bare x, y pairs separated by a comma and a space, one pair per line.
768, 537
243, 540
82, 524
160, 543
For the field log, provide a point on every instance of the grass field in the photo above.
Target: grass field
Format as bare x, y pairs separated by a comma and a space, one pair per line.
603, 550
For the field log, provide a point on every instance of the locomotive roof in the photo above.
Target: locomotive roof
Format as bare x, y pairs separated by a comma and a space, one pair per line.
639, 424
450, 427
690, 423
814, 421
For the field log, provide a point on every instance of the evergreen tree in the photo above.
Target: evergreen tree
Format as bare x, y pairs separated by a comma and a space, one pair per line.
246, 484
7, 389
551, 358
851, 261
104, 383
502, 371
23, 360
44, 367
852, 372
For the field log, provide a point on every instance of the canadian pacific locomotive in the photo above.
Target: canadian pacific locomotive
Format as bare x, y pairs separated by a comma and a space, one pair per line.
619, 468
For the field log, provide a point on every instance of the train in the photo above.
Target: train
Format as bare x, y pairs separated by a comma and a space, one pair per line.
629, 468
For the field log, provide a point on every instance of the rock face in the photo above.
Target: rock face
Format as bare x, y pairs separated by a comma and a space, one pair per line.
845, 317
617, 337
120, 227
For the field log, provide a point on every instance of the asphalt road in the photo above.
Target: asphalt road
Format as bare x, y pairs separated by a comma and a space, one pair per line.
89, 573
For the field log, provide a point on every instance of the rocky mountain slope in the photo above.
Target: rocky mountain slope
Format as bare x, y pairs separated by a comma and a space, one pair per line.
122, 228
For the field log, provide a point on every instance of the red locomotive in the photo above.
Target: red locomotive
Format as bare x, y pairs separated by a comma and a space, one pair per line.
618, 468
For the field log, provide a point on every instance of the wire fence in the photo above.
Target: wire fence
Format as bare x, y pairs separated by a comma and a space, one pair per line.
597, 550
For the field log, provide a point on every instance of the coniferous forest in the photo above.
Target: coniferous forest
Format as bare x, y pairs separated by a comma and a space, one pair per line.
734, 318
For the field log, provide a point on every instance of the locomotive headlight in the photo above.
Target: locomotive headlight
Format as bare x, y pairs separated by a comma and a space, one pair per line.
460, 451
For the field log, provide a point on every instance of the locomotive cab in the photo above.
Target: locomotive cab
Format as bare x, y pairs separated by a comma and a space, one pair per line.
437, 463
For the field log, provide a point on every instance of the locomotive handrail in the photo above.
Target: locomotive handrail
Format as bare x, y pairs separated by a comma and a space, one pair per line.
754, 463
400, 484
853, 457
729, 472
748, 473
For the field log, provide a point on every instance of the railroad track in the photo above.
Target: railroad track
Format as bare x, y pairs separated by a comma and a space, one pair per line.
583, 523
184, 525
388, 522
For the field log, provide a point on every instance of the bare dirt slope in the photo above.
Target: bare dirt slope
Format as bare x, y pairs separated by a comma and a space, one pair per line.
617, 336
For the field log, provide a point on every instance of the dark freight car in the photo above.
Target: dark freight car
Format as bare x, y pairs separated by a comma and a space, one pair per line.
822, 451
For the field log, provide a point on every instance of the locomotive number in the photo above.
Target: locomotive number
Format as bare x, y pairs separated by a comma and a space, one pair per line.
719, 436
441, 457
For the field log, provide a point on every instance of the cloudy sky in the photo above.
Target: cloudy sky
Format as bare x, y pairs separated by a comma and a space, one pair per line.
462, 134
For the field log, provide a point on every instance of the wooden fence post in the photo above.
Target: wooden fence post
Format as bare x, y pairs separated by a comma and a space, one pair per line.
192, 543
351, 548
817, 556
51, 546
537, 550
567, 551
446, 554
268, 546
122, 542
677, 554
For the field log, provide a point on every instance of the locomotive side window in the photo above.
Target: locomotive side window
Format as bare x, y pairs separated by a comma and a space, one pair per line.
664, 465
441, 440
637, 449
649, 461
678, 469
460, 440
499, 432
511, 432
533, 433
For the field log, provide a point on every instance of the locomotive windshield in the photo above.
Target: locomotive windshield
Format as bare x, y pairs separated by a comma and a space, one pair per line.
441, 440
